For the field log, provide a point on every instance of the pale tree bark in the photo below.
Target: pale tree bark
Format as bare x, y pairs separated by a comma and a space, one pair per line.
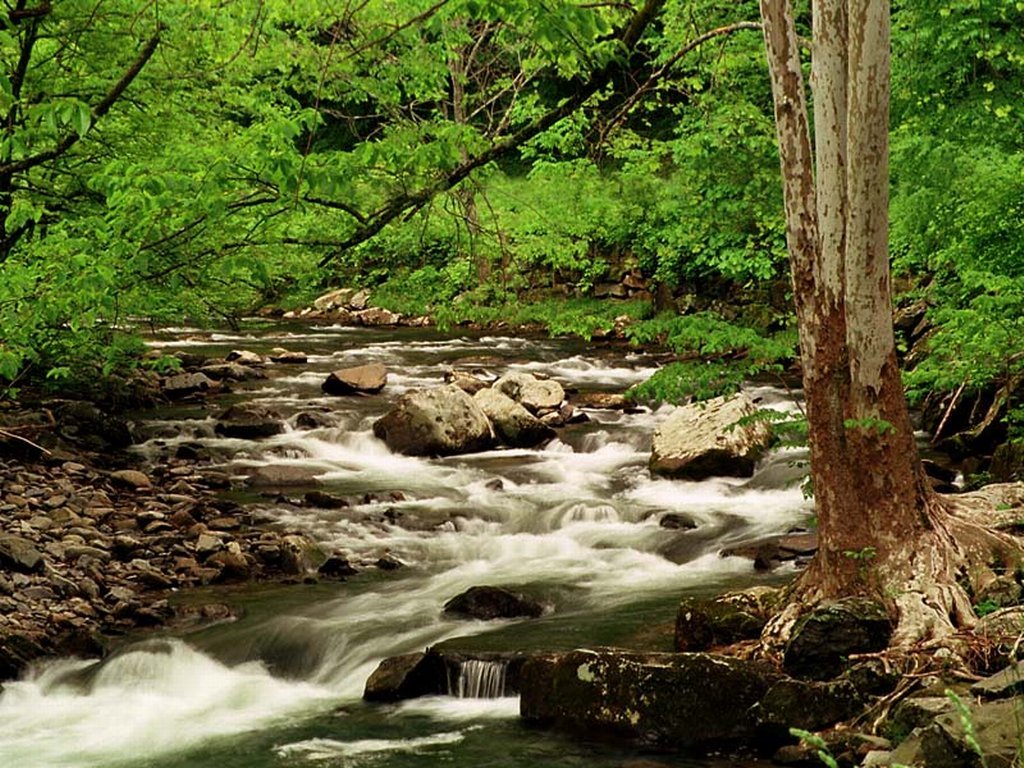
882, 532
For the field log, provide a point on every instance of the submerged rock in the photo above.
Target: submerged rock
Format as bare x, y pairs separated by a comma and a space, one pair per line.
435, 422
706, 439
486, 603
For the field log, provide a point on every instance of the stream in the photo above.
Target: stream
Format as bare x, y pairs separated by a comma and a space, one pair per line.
575, 524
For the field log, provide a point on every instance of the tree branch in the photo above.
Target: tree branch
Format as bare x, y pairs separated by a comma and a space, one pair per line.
629, 37
98, 111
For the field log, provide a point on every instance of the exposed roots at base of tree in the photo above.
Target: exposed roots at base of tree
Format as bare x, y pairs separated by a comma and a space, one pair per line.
930, 588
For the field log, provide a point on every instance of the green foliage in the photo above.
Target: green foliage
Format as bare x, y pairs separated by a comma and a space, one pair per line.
721, 356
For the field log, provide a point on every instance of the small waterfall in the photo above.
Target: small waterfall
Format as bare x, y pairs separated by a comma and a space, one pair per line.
478, 679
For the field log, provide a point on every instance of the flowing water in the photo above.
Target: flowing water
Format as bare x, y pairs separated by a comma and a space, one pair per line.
575, 524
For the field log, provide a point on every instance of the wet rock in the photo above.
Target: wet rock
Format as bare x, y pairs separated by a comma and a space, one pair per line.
467, 382
19, 554
231, 372
703, 623
680, 699
183, 385
300, 555
325, 500
313, 420
281, 475
810, 706
389, 563
536, 395
487, 603
435, 422
362, 379
406, 677
608, 401
337, 566
514, 425
823, 639
772, 551
247, 421
704, 439
375, 316
244, 357
677, 522
288, 357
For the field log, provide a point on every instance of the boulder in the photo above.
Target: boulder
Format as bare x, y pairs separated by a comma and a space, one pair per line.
607, 401
406, 677
1004, 684
703, 623
247, 421
536, 395
823, 639
435, 422
359, 300
359, 380
337, 566
244, 357
183, 385
19, 554
486, 603
953, 740
704, 439
288, 357
673, 699
513, 424
810, 706
335, 299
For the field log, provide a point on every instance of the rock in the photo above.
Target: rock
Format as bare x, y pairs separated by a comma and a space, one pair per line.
325, 500
677, 522
86, 424
19, 554
244, 357
375, 316
336, 566
770, 552
994, 729
313, 420
281, 475
702, 440
703, 623
131, 478
406, 677
435, 422
247, 421
360, 380
671, 699
607, 401
233, 566
486, 603
183, 385
360, 300
300, 555
389, 563
1008, 463
231, 372
823, 639
336, 299
1003, 684
467, 382
809, 706
288, 357
514, 425
536, 395
918, 712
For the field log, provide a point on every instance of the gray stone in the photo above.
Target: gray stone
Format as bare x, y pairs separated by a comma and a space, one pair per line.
361, 379
406, 677
513, 424
536, 395
247, 421
1003, 684
184, 384
704, 439
19, 554
300, 555
376, 316
435, 422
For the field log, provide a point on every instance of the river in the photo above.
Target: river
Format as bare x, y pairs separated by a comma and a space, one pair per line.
575, 524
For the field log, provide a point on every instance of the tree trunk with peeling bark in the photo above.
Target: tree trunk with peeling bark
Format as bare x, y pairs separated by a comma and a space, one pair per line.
882, 532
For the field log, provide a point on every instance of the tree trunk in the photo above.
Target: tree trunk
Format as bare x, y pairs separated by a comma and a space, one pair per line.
882, 533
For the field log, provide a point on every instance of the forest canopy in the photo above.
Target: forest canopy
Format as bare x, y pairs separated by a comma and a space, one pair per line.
207, 159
